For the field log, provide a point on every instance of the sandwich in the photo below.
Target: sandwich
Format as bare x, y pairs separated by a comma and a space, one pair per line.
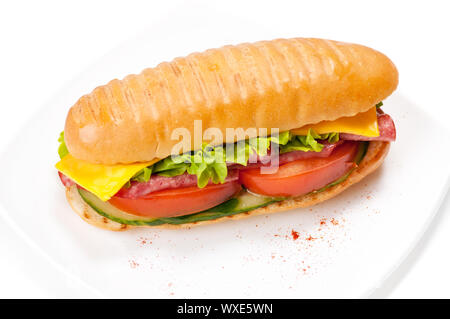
228, 133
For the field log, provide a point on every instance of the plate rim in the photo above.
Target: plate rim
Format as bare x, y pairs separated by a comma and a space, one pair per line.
89, 288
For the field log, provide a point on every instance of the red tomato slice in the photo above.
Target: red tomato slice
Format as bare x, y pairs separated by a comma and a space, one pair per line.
302, 176
177, 201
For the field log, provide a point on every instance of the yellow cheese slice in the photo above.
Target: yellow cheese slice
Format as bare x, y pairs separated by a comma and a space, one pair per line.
364, 123
102, 180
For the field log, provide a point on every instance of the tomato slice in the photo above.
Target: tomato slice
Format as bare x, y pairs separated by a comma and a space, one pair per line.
177, 201
302, 176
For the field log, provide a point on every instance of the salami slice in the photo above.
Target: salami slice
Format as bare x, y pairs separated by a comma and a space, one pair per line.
270, 159
65, 180
386, 127
158, 183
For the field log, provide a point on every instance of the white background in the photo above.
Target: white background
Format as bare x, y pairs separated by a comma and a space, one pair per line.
44, 44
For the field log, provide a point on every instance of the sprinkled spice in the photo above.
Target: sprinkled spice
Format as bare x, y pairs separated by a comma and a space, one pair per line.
294, 235
133, 263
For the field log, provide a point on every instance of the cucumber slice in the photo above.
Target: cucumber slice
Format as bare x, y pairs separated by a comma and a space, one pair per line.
244, 202
109, 211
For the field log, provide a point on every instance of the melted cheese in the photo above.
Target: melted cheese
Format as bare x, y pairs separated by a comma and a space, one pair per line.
364, 123
102, 180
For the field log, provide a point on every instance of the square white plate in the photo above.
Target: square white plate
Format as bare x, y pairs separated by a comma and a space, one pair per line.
346, 246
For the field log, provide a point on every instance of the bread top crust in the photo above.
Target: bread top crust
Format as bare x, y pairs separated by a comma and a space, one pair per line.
283, 83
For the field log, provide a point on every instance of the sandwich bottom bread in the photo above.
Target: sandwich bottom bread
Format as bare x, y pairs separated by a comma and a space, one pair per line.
373, 157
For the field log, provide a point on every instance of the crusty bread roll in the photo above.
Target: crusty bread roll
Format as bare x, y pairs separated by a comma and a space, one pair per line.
284, 83
374, 157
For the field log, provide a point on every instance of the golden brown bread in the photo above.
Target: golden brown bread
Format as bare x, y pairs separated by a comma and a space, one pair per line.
284, 83
374, 157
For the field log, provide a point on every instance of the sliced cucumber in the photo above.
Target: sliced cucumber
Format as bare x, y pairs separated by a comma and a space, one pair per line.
244, 202
109, 211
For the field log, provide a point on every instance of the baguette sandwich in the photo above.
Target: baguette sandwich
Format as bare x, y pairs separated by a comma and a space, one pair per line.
228, 133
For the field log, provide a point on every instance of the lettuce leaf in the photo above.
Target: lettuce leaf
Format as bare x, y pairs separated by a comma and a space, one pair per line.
210, 163
242, 150
143, 175
308, 142
207, 164
62, 149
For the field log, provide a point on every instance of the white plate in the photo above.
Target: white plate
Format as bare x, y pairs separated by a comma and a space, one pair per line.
346, 246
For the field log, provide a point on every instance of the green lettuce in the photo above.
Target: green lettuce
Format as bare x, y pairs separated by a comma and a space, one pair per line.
308, 142
143, 175
62, 149
210, 163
